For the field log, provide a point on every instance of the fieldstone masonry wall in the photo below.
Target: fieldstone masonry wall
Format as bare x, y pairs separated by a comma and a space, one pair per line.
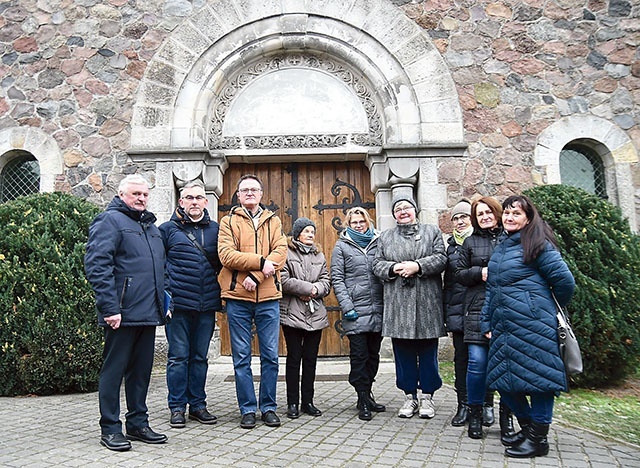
73, 70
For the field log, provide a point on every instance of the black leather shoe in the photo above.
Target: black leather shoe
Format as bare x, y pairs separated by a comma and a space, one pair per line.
203, 416
248, 421
116, 442
292, 411
271, 419
375, 407
146, 435
310, 409
177, 419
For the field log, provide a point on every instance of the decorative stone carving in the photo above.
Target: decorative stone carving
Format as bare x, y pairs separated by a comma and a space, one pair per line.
218, 141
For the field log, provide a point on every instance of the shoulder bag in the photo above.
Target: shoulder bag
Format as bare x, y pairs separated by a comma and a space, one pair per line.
568, 343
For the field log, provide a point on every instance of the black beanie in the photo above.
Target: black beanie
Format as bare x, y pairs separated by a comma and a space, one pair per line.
299, 225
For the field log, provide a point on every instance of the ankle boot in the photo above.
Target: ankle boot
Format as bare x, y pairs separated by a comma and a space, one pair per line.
364, 412
488, 416
535, 444
475, 422
461, 416
462, 413
518, 437
373, 406
506, 422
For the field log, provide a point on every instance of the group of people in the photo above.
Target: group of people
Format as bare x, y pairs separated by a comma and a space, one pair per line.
500, 268
502, 274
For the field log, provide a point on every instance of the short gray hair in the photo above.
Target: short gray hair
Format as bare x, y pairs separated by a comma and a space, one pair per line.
193, 183
132, 179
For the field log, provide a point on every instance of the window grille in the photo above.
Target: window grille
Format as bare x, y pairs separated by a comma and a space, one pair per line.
581, 167
20, 176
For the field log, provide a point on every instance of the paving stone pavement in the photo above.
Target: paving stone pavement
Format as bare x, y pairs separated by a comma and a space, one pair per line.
63, 431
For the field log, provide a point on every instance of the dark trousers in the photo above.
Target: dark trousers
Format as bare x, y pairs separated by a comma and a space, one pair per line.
364, 356
460, 363
302, 347
416, 365
128, 354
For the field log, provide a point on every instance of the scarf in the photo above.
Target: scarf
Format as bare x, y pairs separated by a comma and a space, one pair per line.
459, 237
362, 239
304, 248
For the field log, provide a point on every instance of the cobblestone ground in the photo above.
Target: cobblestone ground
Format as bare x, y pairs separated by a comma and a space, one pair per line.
63, 431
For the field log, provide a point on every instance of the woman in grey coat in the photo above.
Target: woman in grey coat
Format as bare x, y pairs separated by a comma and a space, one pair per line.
409, 259
359, 293
305, 281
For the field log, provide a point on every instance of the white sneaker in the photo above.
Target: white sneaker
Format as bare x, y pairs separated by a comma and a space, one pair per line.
409, 408
427, 409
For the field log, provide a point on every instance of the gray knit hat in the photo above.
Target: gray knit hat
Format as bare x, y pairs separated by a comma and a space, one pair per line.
462, 207
401, 198
299, 225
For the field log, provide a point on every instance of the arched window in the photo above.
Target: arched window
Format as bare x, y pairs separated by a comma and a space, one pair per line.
581, 167
20, 176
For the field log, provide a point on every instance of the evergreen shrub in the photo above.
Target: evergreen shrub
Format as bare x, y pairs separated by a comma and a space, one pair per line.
604, 257
49, 338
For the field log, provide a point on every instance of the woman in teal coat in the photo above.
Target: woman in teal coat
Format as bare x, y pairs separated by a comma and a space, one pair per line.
519, 316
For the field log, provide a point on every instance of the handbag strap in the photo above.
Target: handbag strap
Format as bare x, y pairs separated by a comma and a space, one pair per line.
195, 242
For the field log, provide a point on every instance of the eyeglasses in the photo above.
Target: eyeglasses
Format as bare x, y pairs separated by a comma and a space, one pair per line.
197, 197
249, 190
400, 209
355, 223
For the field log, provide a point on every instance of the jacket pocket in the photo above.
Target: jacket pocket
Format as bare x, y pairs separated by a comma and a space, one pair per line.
125, 288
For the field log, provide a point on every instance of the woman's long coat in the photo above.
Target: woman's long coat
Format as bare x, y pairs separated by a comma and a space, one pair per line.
412, 306
520, 313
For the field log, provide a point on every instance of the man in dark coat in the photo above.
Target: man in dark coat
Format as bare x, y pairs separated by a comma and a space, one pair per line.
191, 243
125, 265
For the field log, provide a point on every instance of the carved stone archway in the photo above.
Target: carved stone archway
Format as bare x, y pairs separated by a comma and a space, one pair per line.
412, 107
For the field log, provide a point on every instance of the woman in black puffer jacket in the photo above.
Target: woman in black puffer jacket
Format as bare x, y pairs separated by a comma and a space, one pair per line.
453, 294
486, 218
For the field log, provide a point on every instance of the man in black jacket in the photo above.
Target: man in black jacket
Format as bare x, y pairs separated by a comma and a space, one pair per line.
125, 265
191, 243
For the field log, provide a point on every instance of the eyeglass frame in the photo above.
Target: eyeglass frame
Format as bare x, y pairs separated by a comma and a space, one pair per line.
191, 197
404, 209
250, 190
460, 217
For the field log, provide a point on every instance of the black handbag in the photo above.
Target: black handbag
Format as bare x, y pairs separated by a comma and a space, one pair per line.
568, 343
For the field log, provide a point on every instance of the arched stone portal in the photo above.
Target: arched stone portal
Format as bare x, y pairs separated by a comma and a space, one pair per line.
185, 117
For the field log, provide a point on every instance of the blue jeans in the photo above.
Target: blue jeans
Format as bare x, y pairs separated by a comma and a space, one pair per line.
266, 316
477, 373
540, 410
188, 335
416, 365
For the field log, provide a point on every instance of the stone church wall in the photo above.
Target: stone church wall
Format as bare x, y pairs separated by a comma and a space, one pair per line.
71, 70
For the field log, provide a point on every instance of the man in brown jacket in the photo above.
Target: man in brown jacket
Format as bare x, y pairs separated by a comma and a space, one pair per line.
253, 250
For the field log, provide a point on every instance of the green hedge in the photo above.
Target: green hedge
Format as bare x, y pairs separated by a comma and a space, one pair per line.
604, 256
49, 338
